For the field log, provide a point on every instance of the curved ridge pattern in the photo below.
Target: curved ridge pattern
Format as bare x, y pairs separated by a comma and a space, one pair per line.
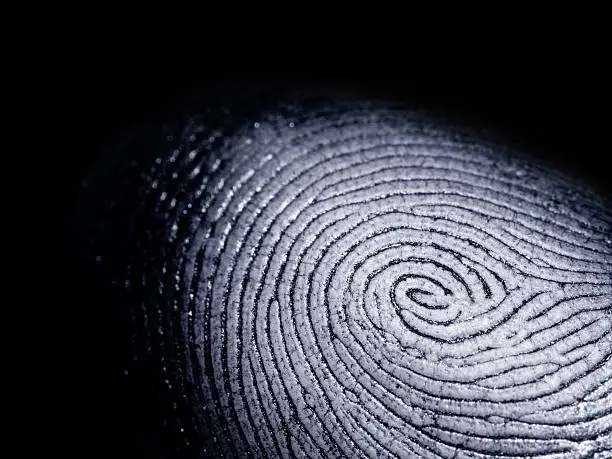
354, 280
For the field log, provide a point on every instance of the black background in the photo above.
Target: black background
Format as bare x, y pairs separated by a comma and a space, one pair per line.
561, 117
557, 106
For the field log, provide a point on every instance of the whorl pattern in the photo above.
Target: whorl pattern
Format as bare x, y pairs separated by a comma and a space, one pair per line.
353, 280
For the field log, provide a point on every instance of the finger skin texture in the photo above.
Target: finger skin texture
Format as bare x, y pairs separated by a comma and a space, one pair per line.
345, 278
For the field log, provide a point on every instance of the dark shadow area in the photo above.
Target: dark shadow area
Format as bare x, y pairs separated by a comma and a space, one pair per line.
559, 120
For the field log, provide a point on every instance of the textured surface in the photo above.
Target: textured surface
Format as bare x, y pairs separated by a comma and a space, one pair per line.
353, 280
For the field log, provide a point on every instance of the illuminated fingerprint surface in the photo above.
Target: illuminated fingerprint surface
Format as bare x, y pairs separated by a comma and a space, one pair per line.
344, 278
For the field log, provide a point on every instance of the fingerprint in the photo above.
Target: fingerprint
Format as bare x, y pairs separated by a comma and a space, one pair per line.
346, 278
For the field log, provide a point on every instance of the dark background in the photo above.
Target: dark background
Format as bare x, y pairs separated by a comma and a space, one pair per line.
563, 118
556, 107
552, 101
